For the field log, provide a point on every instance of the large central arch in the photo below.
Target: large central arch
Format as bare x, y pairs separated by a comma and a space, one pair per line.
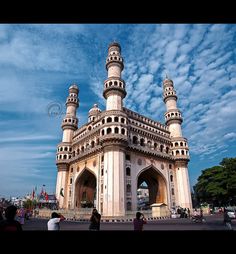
85, 189
156, 183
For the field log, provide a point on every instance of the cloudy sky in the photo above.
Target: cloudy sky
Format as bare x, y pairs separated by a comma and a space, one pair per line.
39, 62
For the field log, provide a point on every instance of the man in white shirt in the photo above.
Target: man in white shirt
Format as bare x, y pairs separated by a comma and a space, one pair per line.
53, 223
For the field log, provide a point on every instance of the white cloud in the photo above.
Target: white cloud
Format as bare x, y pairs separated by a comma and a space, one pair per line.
231, 135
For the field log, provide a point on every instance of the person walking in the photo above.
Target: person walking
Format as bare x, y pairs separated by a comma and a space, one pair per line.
10, 224
95, 220
227, 220
139, 221
53, 223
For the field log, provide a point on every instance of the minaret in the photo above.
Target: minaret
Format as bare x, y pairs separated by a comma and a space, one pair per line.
114, 136
179, 145
114, 86
64, 149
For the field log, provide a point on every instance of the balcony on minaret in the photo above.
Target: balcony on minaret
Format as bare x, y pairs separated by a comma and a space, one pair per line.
64, 152
173, 116
179, 149
70, 123
114, 84
114, 57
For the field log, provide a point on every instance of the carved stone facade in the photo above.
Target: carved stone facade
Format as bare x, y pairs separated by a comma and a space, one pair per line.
104, 162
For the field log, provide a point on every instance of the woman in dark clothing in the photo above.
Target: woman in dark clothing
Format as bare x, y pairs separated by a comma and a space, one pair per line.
95, 220
139, 221
10, 224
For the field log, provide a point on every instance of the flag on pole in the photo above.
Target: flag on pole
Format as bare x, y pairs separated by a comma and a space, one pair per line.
61, 192
46, 196
33, 194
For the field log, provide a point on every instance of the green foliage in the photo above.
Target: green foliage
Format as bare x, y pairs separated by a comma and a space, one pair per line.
29, 204
217, 185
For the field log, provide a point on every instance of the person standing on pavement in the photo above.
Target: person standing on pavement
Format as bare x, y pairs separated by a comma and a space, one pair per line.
95, 220
53, 223
227, 220
10, 224
139, 221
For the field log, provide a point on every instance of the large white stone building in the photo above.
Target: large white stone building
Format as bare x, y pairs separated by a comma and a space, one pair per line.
104, 162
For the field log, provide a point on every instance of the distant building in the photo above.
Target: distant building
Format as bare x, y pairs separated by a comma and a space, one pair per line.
105, 161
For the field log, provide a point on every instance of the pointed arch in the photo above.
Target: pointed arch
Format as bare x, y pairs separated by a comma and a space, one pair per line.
156, 182
85, 189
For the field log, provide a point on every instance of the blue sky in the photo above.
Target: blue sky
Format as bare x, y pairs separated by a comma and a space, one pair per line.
38, 63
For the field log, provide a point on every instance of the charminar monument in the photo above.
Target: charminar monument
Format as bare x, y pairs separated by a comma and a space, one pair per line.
104, 162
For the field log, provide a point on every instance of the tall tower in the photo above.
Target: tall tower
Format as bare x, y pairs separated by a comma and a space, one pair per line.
179, 145
64, 149
114, 135
114, 86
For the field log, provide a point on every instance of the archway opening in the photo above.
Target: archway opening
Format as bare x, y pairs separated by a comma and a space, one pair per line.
85, 194
151, 188
143, 196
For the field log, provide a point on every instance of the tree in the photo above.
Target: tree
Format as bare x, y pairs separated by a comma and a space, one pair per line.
29, 204
217, 185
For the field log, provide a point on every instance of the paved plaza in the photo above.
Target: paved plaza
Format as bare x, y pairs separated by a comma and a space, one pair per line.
213, 222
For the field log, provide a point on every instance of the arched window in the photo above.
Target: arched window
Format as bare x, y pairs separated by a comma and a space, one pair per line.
82, 149
92, 144
108, 130
149, 143
122, 120
102, 172
73, 153
135, 140
71, 181
167, 149
128, 188
181, 143
102, 132
103, 121
102, 158
176, 144
123, 131
161, 148
115, 83
89, 128
101, 188
155, 146
109, 120
177, 152
65, 148
182, 152
116, 119
171, 178
61, 149
170, 166
116, 130
172, 191
142, 142
128, 171
64, 157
